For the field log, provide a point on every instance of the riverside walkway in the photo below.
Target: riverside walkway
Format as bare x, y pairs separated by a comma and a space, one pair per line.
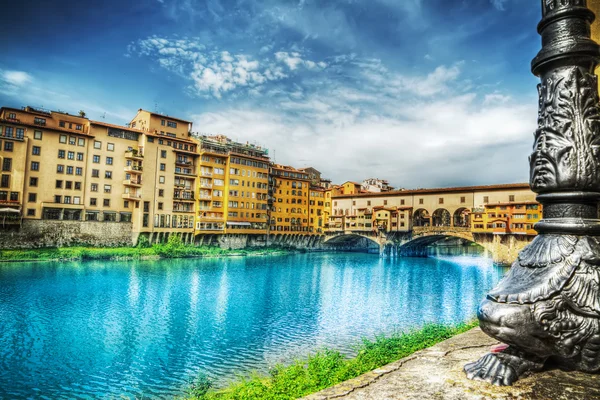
436, 373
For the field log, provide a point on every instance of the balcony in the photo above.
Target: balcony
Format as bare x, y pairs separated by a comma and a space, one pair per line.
183, 162
133, 169
206, 185
186, 199
213, 218
179, 171
183, 210
205, 197
134, 155
133, 182
206, 173
131, 196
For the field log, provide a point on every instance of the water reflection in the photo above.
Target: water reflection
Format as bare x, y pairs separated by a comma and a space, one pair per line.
80, 330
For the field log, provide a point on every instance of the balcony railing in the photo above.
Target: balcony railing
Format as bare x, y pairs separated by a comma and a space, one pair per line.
206, 197
206, 173
206, 185
134, 168
135, 154
132, 182
131, 196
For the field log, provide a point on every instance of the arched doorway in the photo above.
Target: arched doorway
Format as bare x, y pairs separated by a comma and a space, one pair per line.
421, 218
462, 218
441, 217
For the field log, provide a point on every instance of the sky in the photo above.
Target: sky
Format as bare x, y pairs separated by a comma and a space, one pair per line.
423, 93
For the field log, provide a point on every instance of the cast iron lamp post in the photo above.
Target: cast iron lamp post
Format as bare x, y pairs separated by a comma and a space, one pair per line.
548, 306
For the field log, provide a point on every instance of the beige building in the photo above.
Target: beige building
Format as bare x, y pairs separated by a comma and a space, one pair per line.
400, 211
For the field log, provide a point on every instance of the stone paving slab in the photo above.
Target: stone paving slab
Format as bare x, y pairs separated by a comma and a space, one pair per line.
436, 373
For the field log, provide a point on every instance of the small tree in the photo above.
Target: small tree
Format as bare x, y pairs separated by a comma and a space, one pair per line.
82, 113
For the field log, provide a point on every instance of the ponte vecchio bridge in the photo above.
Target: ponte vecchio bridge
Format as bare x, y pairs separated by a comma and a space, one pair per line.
499, 218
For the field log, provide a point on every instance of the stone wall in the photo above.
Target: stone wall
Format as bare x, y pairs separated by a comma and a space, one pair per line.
49, 233
503, 249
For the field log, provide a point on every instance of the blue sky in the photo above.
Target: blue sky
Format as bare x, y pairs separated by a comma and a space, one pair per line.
420, 92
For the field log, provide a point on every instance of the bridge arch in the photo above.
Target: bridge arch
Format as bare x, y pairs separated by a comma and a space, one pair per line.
436, 243
421, 217
462, 218
354, 241
440, 217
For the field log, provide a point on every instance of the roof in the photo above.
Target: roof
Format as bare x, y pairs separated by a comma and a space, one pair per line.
125, 128
164, 116
437, 190
354, 183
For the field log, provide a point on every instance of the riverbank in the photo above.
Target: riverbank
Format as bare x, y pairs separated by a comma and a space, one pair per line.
174, 248
327, 367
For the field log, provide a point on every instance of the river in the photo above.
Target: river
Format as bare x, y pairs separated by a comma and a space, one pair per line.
133, 328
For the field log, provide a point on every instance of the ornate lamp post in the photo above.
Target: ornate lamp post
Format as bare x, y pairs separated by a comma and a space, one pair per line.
548, 306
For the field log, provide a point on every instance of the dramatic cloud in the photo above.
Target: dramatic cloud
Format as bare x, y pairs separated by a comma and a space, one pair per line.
11, 82
498, 4
217, 72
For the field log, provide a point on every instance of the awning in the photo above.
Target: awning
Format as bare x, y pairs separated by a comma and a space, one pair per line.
238, 223
9, 210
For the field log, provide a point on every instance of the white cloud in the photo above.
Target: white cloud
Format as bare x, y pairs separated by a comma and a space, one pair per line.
353, 131
498, 4
17, 78
215, 72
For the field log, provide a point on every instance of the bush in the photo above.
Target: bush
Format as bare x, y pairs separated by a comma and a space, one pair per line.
199, 387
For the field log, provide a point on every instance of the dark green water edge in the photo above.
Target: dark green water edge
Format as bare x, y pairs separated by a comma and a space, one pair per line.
174, 248
326, 368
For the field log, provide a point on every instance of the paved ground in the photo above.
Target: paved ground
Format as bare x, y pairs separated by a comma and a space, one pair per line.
436, 373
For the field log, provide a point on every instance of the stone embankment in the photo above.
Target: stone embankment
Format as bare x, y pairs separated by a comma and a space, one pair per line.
436, 373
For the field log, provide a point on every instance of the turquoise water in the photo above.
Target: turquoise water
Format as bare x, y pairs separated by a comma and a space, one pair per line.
133, 328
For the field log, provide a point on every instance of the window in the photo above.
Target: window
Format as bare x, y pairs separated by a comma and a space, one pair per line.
109, 160
107, 188
62, 139
72, 140
368, 202
94, 187
150, 140
126, 204
163, 167
79, 156
37, 135
108, 174
163, 154
77, 185
95, 173
110, 146
161, 179
59, 184
486, 199
39, 121
7, 164
8, 146
69, 170
31, 212
93, 201
441, 200
172, 124
96, 159
61, 124
162, 122
35, 166
78, 171
81, 142
160, 206
161, 192
76, 200
106, 202
33, 181
36, 150
57, 199
61, 154
420, 201
511, 198
97, 144
68, 184
463, 200
385, 202
71, 155
5, 181
67, 200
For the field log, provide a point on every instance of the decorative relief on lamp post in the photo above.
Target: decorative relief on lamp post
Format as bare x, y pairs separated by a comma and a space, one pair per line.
548, 305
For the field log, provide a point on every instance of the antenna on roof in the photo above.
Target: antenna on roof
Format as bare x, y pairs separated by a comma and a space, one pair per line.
103, 116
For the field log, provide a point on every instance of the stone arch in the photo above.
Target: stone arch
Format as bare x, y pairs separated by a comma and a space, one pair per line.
421, 217
462, 218
440, 217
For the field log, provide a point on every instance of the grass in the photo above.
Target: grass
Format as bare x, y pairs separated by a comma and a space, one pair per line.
174, 248
326, 368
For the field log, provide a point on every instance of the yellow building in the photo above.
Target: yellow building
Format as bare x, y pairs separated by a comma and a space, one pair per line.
507, 218
317, 214
233, 187
290, 209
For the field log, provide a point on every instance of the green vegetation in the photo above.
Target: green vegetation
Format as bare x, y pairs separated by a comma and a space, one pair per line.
174, 248
327, 368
